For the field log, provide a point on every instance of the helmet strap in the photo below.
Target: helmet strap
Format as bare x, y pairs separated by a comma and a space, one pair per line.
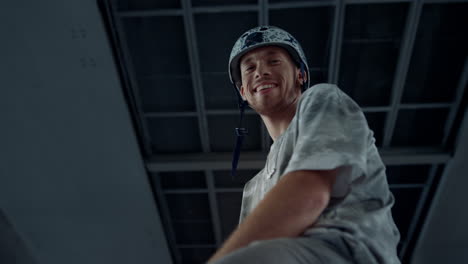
240, 133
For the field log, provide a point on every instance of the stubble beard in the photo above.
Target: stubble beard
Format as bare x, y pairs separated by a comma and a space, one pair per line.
265, 109
278, 107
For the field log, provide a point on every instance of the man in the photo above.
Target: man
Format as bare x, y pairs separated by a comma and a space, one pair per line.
323, 195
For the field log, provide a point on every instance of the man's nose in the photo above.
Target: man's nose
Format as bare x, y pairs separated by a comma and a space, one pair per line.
262, 70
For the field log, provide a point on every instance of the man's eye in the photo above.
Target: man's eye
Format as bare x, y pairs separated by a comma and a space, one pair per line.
274, 61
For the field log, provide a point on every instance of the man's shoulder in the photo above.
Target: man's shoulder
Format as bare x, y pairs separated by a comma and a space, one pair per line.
319, 93
321, 89
324, 93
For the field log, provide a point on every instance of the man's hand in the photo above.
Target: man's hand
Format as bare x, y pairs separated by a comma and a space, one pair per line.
287, 210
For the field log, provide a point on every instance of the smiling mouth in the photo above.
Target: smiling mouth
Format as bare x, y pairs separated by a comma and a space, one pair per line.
264, 87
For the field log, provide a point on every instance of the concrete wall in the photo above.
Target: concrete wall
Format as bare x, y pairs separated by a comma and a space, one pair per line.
73, 188
444, 239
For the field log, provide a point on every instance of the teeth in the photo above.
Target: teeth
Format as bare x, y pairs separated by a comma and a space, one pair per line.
266, 86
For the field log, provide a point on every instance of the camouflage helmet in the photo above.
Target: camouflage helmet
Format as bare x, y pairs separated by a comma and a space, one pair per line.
265, 36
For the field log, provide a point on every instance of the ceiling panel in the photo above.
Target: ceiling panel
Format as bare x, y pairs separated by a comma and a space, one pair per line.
196, 255
439, 54
376, 122
375, 21
223, 179
217, 33
163, 130
318, 76
193, 232
182, 180
408, 174
218, 91
311, 27
372, 39
157, 45
423, 127
402, 212
229, 205
166, 93
189, 207
367, 71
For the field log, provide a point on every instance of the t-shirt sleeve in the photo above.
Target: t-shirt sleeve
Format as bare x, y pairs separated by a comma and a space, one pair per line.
332, 132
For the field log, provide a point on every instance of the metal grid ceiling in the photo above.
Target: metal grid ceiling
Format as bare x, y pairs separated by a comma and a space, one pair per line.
404, 62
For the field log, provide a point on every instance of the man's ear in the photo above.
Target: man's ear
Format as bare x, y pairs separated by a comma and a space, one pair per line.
242, 92
302, 76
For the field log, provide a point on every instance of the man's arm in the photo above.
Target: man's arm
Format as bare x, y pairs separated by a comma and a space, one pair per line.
287, 210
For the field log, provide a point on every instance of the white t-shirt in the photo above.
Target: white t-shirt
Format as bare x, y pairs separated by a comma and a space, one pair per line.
329, 130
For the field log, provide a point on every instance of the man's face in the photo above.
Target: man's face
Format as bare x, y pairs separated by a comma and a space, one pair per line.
270, 80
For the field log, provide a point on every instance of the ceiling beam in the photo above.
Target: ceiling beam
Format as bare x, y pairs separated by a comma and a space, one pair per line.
426, 106
406, 50
166, 217
445, 1
365, 109
213, 201
417, 213
272, 6
170, 114
194, 60
256, 160
240, 190
412, 236
230, 112
462, 83
337, 41
150, 13
130, 81
442, 236
364, 2
263, 18
301, 4
224, 9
